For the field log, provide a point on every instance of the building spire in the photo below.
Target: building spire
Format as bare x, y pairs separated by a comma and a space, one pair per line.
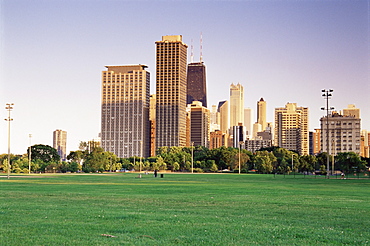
201, 47
191, 54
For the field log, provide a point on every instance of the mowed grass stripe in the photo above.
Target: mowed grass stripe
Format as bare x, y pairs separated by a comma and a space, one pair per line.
184, 210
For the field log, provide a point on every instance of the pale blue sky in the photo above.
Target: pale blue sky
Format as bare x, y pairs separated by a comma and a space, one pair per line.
53, 52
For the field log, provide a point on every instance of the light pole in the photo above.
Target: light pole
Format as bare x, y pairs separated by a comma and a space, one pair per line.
29, 156
192, 158
240, 144
293, 165
9, 108
327, 94
141, 153
332, 157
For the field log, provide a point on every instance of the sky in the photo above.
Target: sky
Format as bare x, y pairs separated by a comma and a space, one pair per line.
52, 53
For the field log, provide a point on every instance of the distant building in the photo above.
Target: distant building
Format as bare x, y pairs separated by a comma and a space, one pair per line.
171, 87
316, 142
291, 128
248, 119
223, 109
365, 144
125, 127
236, 104
351, 110
253, 145
218, 139
199, 124
60, 143
238, 135
196, 83
214, 119
344, 133
261, 113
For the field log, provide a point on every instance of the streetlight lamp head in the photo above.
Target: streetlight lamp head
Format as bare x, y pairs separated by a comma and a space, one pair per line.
330, 90
329, 95
322, 108
323, 90
323, 95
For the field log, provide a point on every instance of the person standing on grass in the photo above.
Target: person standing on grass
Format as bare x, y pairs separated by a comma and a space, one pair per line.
155, 173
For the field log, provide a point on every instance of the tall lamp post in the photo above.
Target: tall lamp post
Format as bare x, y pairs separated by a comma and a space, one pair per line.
327, 94
9, 108
192, 158
240, 145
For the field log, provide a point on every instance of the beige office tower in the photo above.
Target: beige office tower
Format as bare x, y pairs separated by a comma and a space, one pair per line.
316, 141
365, 142
236, 104
340, 133
291, 128
248, 119
125, 128
261, 113
214, 119
199, 124
171, 67
223, 109
351, 110
60, 143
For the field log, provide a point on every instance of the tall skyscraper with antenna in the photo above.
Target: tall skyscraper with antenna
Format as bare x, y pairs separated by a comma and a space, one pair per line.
171, 91
196, 80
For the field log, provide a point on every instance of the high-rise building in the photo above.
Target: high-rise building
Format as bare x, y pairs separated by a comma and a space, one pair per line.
218, 139
196, 83
261, 113
351, 110
236, 104
248, 121
199, 124
171, 91
316, 141
223, 109
291, 128
238, 135
340, 133
365, 144
60, 143
125, 128
256, 144
214, 119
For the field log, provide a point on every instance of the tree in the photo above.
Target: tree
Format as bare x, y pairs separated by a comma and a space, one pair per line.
350, 162
44, 153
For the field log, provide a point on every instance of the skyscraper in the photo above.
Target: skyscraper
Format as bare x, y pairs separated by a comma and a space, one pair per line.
351, 110
196, 83
171, 91
60, 143
199, 124
344, 133
248, 121
261, 113
236, 104
291, 128
223, 109
125, 128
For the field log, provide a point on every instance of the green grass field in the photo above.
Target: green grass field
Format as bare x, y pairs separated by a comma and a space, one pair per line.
183, 209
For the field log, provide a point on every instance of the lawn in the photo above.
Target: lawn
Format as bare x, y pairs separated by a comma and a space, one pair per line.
183, 209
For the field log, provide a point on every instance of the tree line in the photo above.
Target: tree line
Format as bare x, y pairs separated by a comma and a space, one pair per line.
92, 158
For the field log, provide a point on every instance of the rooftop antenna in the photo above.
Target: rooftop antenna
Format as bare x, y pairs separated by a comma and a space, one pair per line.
201, 47
192, 55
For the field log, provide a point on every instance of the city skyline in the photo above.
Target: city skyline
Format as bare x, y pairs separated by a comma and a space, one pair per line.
286, 51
